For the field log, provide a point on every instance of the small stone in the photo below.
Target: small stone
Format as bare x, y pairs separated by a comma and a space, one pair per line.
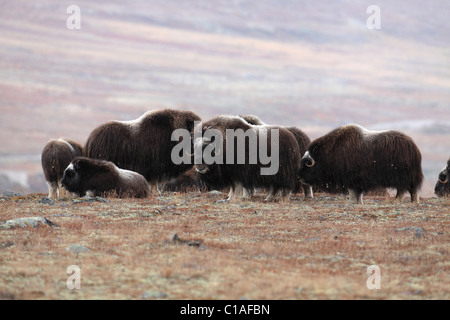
150, 294
32, 222
11, 194
77, 248
174, 238
419, 233
46, 200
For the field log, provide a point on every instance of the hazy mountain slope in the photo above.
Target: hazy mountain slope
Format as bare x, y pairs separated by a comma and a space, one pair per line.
311, 64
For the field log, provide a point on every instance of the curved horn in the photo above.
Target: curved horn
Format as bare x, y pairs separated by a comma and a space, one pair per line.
312, 164
308, 156
443, 181
189, 155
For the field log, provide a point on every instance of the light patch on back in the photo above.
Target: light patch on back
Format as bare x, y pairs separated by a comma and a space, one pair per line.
127, 174
367, 133
134, 124
67, 143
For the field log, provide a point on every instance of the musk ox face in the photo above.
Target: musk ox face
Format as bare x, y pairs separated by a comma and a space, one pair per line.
310, 170
442, 187
71, 178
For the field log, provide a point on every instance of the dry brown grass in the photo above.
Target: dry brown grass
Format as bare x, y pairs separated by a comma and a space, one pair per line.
295, 249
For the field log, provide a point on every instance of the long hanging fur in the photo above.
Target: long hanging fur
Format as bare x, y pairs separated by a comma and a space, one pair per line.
143, 145
248, 175
351, 157
55, 157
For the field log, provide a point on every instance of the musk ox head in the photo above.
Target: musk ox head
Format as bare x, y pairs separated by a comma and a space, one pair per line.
310, 170
442, 187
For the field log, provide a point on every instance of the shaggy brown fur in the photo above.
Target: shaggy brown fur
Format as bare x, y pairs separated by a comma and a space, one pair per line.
103, 178
143, 145
248, 176
55, 157
351, 157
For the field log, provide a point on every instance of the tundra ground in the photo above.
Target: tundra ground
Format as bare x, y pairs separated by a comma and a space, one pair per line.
294, 249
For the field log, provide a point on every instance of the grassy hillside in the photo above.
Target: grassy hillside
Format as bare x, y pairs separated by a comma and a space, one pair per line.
297, 249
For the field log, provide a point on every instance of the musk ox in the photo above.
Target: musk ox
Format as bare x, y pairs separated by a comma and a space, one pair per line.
351, 157
55, 157
240, 156
442, 187
303, 142
94, 177
187, 181
143, 145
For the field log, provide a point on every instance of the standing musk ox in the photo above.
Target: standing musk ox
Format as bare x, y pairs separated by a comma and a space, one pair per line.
55, 157
95, 177
351, 157
442, 187
303, 142
249, 175
143, 145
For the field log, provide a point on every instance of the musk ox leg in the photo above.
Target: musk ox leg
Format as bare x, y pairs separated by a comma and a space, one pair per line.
270, 194
246, 193
52, 190
283, 194
153, 188
355, 196
63, 192
414, 196
400, 195
308, 191
236, 191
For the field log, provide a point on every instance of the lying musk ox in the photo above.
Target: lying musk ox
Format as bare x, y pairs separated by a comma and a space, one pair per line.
442, 187
56, 156
143, 145
303, 142
95, 177
249, 175
187, 181
351, 157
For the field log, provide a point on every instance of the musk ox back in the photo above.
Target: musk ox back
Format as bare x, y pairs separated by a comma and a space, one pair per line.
95, 177
143, 145
245, 173
351, 157
442, 187
55, 157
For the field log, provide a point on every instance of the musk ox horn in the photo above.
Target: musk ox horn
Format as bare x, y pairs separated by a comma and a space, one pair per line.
308, 156
312, 164
443, 181
189, 154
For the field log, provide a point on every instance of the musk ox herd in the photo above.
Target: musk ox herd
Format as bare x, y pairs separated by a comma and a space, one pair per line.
174, 150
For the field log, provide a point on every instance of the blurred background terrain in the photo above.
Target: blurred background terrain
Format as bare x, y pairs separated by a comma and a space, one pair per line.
311, 64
